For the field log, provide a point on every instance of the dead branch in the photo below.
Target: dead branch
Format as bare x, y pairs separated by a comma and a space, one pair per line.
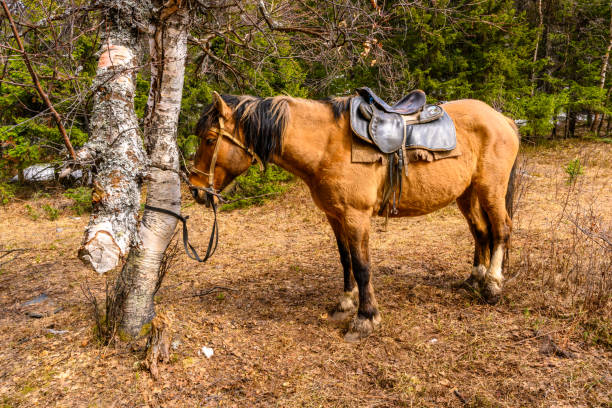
275, 26
213, 290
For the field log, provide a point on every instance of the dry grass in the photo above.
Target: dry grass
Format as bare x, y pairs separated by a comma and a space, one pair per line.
273, 344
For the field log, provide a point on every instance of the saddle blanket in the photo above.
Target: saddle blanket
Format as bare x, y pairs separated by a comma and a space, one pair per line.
363, 152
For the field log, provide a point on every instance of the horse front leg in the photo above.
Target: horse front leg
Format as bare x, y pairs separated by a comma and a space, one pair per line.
357, 229
347, 304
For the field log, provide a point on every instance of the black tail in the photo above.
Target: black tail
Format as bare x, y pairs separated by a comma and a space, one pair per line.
512, 180
510, 190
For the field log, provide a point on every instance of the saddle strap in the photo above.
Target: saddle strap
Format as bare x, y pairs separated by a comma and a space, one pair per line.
395, 182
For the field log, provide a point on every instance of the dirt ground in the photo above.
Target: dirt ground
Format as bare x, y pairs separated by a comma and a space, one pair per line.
438, 346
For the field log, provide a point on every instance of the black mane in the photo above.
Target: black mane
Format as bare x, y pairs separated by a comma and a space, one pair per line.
339, 105
263, 120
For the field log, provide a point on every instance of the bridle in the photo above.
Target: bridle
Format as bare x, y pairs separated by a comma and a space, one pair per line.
210, 193
221, 133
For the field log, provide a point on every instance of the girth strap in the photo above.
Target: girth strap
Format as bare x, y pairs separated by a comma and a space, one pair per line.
189, 249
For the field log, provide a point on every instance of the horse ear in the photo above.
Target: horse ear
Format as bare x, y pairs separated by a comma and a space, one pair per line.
224, 110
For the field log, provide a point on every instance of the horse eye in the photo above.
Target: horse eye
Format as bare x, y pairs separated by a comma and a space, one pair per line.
210, 141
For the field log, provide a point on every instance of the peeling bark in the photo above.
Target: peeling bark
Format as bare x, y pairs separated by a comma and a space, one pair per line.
115, 145
168, 48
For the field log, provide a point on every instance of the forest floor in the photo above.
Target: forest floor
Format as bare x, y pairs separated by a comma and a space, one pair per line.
278, 274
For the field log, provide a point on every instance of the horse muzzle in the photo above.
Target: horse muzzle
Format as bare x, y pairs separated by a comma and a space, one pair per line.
203, 197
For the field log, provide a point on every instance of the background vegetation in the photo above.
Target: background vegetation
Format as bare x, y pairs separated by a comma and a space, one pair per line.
542, 62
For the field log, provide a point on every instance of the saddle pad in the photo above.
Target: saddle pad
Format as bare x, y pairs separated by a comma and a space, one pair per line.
362, 152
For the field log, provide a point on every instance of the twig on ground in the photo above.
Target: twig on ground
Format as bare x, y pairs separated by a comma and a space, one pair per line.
212, 290
458, 395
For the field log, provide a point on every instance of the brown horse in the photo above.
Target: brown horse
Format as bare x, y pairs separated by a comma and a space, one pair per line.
312, 139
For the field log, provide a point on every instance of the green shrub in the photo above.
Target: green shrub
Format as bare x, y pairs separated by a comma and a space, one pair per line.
573, 170
256, 183
32, 213
52, 212
81, 197
539, 111
7, 192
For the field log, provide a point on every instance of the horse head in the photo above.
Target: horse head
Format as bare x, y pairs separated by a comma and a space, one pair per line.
222, 154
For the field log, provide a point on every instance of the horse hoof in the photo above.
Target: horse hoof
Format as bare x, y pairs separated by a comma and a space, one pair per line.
344, 309
361, 327
470, 284
491, 293
339, 317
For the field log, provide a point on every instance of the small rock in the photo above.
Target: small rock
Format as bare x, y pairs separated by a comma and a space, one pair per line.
53, 331
38, 299
175, 344
433, 341
207, 351
40, 306
444, 382
59, 229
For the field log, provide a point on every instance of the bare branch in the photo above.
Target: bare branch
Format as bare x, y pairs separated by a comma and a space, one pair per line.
37, 85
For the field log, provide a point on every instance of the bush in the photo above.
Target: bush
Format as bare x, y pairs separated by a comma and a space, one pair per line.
7, 192
256, 183
32, 213
540, 111
52, 212
573, 170
81, 197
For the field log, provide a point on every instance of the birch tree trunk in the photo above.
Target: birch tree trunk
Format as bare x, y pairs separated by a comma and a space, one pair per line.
115, 144
140, 277
537, 47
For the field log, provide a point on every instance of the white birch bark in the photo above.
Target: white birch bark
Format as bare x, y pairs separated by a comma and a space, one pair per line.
537, 47
115, 144
168, 48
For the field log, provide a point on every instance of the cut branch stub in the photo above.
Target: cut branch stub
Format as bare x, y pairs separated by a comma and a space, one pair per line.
120, 160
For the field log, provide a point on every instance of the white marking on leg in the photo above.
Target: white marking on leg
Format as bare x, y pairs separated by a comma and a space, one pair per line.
479, 272
346, 302
495, 271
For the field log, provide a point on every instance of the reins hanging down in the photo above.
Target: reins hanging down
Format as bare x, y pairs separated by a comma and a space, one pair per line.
189, 249
211, 193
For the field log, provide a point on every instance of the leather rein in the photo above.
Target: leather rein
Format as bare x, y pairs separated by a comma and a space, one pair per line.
210, 193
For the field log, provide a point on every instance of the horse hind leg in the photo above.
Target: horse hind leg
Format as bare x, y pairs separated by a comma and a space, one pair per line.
501, 226
347, 304
357, 227
479, 227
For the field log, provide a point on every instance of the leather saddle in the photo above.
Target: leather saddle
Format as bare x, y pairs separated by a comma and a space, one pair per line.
408, 124
408, 105
429, 127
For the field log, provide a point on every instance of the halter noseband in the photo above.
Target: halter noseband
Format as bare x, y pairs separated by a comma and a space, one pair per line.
221, 132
